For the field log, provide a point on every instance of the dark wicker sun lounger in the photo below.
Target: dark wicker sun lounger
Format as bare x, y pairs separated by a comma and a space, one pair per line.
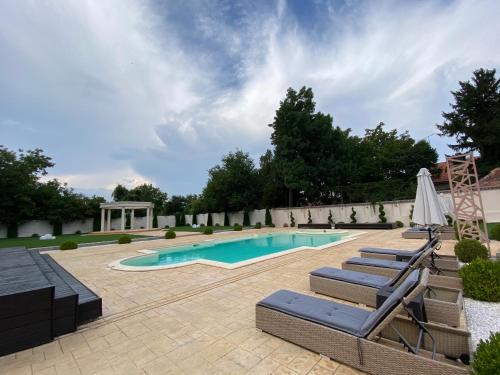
89, 303
65, 298
26, 302
378, 342
39, 300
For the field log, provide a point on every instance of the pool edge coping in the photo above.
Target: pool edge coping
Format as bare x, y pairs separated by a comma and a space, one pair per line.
117, 266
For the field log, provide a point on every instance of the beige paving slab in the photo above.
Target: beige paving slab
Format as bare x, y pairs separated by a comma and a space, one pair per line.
189, 320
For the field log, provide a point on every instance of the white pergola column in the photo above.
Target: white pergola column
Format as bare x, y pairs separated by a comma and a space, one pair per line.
132, 215
147, 219
123, 219
103, 219
109, 220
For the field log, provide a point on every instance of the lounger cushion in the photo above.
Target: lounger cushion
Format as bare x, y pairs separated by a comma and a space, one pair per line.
378, 250
373, 262
327, 313
390, 303
352, 277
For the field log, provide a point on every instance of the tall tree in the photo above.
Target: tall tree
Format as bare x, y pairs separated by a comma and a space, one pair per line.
302, 140
120, 193
475, 117
232, 186
274, 191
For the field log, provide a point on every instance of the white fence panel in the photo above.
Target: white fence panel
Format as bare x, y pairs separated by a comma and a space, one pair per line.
39, 227
84, 226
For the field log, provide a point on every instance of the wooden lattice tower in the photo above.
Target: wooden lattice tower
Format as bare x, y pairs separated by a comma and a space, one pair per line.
466, 196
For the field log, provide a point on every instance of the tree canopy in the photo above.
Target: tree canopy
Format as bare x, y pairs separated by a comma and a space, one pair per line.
24, 196
474, 120
232, 185
142, 193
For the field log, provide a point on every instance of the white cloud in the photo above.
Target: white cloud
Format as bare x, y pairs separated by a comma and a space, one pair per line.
102, 180
111, 88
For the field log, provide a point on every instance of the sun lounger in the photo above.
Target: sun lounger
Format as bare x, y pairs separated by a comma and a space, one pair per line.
441, 277
377, 342
441, 261
441, 305
390, 268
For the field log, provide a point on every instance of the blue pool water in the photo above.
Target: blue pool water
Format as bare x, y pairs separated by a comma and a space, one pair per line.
233, 251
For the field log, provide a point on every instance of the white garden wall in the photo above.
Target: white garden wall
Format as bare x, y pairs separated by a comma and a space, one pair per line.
29, 228
166, 220
41, 227
84, 226
257, 216
365, 212
236, 218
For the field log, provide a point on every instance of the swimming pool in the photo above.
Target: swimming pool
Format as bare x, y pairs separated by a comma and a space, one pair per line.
232, 253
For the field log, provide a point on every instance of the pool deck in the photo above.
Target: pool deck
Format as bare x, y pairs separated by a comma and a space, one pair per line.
196, 319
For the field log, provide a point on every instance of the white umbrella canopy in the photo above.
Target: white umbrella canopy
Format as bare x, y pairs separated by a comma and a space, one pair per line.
427, 209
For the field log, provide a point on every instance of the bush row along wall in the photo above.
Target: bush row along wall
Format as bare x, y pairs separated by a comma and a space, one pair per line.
365, 212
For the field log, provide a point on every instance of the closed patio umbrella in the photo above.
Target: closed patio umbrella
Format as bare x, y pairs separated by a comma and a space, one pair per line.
427, 209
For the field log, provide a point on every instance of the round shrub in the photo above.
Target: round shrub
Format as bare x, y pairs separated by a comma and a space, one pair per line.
285, 225
495, 232
208, 230
78, 232
169, 234
237, 227
68, 245
468, 249
124, 239
487, 356
399, 224
481, 279
34, 235
258, 225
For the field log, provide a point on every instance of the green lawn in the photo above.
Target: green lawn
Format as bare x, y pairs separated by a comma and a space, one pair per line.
189, 229
31, 242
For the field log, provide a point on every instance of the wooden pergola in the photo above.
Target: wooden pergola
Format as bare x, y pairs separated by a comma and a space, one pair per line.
123, 206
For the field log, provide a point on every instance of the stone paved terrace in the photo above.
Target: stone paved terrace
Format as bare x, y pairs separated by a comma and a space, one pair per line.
189, 320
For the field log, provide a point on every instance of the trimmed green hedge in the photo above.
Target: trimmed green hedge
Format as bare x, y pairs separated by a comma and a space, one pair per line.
124, 240
169, 234
68, 245
238, 227
481, 279
468, 249
495, 232
399, 224
258, 225
208, 230
487, 356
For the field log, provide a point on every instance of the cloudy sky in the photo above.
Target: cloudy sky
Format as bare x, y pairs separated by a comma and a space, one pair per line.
125, 91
